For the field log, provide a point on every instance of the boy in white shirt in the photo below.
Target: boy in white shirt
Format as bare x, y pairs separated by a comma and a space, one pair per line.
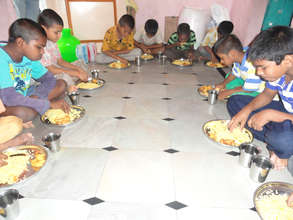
149, 39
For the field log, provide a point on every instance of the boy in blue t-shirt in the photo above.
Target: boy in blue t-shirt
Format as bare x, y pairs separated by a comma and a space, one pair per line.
18, 64
271, 52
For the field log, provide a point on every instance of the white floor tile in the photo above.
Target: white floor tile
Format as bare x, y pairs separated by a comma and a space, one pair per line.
126, 211
137, 177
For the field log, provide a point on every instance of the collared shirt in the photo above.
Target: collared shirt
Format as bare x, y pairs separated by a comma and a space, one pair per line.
285, 91
141, 37
210, 38
51, 55
246, 71
174, 38
112, 41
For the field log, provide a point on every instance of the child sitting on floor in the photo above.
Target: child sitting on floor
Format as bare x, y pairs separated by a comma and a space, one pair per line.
149, 39
25, 138
270, 121
181, 43
205, 49
52, 60
243, 79
118, 43
18, 64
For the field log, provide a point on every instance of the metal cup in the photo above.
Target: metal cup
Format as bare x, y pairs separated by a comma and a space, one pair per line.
95, 75
52, 141
137, 61
213, 96
160, 54
74, 98
163, 60
9, 205
260, 168
247, 152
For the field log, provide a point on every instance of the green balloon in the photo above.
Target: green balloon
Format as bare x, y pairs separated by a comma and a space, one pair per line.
67, 45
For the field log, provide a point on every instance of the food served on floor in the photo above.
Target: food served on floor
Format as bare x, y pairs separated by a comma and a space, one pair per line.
204, 90
274, 206
118, 65
215, 65
19, 162
182, 62
59, 117
90, 85
218, 131
147, 56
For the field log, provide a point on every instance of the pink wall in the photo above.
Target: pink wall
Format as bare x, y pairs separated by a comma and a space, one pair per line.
246, 15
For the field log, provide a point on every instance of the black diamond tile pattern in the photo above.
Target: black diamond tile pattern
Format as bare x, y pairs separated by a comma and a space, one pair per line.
253, 209
205, 100
165, 84
131, 83
233, 153
171, 151
120, 118
87, 96
166, 98
176, 205
93, 201
164, 73
199, 84
168, 119
126, 97
110, 148
134, 72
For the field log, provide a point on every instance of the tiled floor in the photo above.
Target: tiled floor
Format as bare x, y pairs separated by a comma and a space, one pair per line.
140, 154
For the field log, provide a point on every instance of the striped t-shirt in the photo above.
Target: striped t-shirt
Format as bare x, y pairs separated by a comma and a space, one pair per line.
174, 38
246, 71
285, 91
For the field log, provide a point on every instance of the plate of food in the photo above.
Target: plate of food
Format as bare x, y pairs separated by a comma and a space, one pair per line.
147, 57
218, 132
57, 117
182, 62
204, 90
23, 162
118, 65
91, 84
215, 65
270, 201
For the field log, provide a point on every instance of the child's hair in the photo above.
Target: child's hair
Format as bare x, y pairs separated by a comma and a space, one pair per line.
151, 27
49, 17
225, 28
183, 28
127, 20
272, 44
26, 29
227, 43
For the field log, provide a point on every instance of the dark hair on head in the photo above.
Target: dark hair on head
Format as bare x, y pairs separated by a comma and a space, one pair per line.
227, 43
49, 17
151, 27
183, 28
127, 20
272, 44
26, 29
225, 28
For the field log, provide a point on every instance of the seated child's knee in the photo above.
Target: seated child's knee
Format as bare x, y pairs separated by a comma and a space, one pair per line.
61, 84
26, 113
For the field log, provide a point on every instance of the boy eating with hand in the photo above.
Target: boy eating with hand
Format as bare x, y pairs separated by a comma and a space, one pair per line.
270, 121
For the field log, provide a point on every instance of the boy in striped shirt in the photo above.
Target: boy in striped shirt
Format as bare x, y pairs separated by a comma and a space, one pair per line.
243, 80
181, 43
270, 121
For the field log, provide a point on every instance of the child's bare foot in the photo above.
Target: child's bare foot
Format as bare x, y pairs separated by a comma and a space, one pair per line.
26, 138
72, 89
278, 162
28, 124
290, 200
2, 158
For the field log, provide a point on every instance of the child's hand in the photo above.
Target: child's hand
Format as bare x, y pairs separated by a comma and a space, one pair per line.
239, 119
258, 120
224, 93
28, 124
2, 158
220, 86
123, 61
290, 200
82, 75
60, 104
26, 138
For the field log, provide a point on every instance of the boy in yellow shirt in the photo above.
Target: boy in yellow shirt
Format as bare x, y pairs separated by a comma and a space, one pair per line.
118, 43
